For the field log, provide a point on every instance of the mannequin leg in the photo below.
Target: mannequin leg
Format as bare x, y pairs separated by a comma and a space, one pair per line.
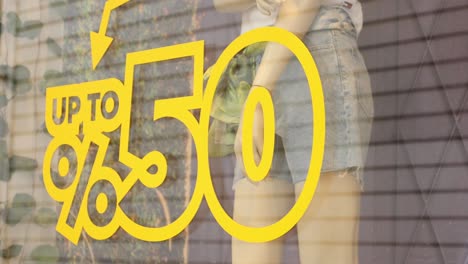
328, 232
260, 204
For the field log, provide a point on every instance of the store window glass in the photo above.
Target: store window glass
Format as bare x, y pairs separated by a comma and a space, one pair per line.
224, 131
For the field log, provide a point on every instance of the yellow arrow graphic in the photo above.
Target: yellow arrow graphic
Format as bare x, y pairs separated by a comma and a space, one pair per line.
100, 43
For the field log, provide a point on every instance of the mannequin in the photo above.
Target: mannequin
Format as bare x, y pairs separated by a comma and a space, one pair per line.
328, 232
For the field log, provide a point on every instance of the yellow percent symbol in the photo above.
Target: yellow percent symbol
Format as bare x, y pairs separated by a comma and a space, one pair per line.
93, 108
84, 115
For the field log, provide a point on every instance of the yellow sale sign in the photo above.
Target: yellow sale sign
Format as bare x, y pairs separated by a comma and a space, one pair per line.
94, 108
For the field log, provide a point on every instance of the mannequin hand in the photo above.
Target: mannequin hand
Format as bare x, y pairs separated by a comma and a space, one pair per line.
267, 7
257, 127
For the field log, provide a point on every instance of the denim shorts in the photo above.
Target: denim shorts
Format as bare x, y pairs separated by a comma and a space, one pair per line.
348, 107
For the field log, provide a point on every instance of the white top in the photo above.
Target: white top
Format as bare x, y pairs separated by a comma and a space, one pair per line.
253, 18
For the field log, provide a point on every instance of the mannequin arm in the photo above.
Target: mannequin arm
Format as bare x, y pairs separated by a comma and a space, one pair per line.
296, 16
232, 6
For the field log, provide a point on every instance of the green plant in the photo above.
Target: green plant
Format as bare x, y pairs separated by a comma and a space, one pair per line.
16, 80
